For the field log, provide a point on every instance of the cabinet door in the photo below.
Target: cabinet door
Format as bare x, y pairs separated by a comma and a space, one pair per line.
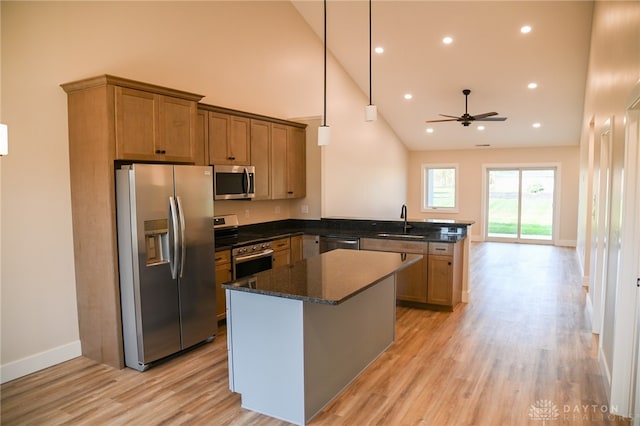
260, 157
229, 139
218, 136
176, 135
296, 163
411, 283
440, 281
202, 138
279, 136
282, 257
296, 248
223, 274
135, 124
240, 141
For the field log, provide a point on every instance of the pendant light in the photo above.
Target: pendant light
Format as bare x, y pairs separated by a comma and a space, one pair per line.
324, 131
4, 139
370, 111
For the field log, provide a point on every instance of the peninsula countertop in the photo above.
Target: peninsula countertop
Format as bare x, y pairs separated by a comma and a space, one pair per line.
330, 278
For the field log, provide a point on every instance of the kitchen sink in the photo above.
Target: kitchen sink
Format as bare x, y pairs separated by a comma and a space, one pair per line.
401, 236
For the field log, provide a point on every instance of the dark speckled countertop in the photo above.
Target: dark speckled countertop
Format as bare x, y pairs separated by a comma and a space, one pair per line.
429, 230
330, 278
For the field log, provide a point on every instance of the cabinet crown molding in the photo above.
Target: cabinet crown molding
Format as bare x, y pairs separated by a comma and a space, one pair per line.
103, 80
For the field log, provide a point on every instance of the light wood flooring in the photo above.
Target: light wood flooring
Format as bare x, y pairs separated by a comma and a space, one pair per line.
522, 342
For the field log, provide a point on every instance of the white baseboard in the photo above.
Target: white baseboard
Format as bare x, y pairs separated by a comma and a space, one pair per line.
39, 361
602, 360
566, 243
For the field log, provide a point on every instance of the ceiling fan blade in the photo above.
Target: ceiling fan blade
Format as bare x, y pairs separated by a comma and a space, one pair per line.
440, 121
491, 119
450, 116
485, 115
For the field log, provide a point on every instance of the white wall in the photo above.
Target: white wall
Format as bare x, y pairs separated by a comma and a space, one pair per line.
614, 71
470, 162
253, 56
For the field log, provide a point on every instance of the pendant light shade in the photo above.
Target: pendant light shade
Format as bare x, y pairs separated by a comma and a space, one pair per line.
324, 131
370, 111
324, 135
4, 139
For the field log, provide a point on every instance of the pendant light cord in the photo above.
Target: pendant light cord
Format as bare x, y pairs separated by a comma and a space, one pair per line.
325, 65
370, 46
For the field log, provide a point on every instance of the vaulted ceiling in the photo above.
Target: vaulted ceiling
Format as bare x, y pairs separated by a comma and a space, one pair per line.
489, 55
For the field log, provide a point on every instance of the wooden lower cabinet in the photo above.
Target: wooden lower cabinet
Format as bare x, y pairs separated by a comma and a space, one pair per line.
223, 274
296, 248
444, 274
411, 283
281, 252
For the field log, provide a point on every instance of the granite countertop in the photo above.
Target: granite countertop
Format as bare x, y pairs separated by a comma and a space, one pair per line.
330, 278
428, 229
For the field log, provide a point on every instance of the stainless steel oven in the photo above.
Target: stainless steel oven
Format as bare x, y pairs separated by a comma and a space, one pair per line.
251, 259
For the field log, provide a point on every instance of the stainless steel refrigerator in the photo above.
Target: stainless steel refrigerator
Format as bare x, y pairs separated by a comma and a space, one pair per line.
166, 258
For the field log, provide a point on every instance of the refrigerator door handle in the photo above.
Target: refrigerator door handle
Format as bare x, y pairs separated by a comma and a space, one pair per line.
173, 258
183, 242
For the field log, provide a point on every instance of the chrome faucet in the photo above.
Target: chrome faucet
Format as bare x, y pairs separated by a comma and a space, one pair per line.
403, 215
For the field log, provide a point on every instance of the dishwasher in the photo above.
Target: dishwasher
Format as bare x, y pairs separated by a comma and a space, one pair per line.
332, 243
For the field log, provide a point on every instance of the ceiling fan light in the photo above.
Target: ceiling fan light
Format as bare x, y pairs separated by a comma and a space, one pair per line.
370, 113
324, 135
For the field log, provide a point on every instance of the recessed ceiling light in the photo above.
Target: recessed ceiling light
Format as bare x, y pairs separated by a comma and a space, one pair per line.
429, 130
408, 96
379, 49
525, 29
480, 128
536, 125
447, 40
532, 85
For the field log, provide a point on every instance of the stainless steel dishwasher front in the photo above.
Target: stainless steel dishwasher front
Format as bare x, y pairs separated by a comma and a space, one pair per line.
332, 243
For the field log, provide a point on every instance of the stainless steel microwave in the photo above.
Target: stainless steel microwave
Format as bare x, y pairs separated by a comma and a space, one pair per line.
234, 182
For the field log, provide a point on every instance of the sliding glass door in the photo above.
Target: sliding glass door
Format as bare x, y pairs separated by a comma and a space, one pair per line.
520, 204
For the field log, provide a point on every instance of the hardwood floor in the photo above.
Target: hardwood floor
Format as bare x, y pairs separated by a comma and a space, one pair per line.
523, 343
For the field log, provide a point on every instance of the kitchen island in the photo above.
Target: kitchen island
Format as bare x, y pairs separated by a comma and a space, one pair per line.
299, 334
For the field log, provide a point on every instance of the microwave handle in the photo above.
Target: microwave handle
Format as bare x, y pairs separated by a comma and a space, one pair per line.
246, 181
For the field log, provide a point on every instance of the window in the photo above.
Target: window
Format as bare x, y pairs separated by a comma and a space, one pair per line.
440, 187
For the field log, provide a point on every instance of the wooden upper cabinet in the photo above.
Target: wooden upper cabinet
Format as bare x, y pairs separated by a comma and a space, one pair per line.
279, 184
288, 162
177, 125
296, 163
261, 157
153, 127
229, 139
135, 124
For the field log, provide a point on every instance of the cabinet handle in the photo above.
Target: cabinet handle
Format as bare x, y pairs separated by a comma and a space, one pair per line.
160, 151
290, 192
231, 158
449, 263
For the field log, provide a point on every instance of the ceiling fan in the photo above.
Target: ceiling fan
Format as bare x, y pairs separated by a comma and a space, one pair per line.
466, 118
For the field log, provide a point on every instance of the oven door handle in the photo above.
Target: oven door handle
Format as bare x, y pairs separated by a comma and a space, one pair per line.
246, 258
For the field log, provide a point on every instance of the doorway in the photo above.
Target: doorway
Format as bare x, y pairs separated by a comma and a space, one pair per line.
520, 204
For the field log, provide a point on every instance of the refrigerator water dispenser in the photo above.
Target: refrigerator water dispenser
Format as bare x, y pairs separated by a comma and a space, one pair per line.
156, 241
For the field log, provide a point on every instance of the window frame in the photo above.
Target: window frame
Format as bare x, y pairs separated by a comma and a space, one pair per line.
424, 185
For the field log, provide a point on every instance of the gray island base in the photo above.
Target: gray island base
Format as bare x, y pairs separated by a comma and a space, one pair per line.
299, 334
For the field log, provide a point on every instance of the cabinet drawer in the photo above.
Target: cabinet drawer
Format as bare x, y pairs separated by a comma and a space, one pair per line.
281, 244
223, 257
443, 249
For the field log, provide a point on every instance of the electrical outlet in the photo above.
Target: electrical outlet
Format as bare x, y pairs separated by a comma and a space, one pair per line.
304, 209
246, 213
277, 209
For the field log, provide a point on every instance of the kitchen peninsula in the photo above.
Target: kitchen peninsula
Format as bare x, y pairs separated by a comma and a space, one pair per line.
299, 334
